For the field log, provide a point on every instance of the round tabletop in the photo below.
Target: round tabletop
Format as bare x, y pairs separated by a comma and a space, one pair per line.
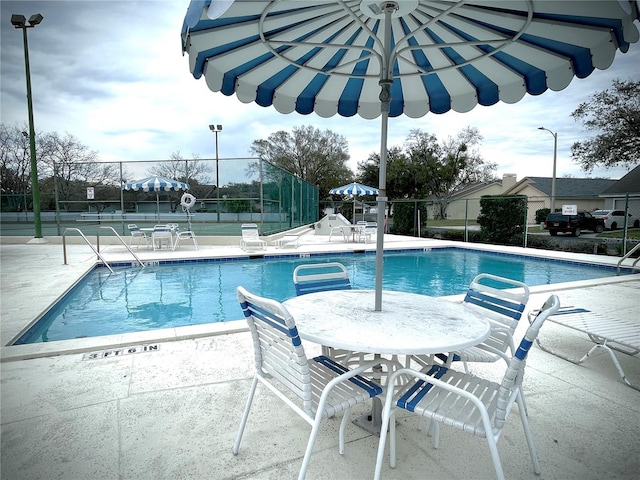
408, 324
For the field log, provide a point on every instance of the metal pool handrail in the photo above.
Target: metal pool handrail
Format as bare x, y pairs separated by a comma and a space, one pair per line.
121, 241
629, 253
64, 246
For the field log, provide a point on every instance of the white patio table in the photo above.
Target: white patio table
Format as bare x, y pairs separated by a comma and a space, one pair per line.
347, 231
408, 324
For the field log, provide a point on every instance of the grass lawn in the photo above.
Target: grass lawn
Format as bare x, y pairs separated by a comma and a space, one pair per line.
632, 233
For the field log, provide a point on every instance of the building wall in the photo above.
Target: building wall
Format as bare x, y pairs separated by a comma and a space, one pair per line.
471, 207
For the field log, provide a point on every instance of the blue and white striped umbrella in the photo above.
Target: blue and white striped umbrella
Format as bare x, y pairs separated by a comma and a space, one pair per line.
155, 184
354, 189
393, 57
329, 57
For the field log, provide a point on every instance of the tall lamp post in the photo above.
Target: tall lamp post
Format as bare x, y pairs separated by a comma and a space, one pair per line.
217, 129
555, 156
20, 21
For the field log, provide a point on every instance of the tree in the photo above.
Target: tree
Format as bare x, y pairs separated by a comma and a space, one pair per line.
320, 158
399, 180
64, 164
502, 219
179, 168
15, 166
442, 169
429, 168
74, 165
614, 115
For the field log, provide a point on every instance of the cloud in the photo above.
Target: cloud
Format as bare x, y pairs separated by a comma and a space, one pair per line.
112, 74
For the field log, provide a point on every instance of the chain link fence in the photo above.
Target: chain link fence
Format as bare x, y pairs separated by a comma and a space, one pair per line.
458, 219
251, 191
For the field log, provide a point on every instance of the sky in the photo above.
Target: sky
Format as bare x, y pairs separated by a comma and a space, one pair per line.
112, 74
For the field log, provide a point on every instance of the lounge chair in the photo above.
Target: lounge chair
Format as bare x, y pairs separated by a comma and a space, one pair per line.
321, 387
467, 402
607, 333
251, 240
137, 233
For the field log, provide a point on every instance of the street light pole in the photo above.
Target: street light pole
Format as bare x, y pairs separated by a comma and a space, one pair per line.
20, 21
555, 156
216, 129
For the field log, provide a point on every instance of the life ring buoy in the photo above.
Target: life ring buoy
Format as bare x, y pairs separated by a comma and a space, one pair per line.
187, 200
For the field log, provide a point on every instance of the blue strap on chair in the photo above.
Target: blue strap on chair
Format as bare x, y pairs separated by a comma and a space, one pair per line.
499, 305
322, 285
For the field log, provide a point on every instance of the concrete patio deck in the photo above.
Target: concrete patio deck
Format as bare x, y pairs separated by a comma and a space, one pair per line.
173, 412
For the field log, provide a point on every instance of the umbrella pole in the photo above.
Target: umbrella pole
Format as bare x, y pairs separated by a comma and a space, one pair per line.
382, 205
386, 79
157, 207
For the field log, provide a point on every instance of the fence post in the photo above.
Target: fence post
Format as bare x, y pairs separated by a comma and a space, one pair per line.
526, 223
626, 217
466, 220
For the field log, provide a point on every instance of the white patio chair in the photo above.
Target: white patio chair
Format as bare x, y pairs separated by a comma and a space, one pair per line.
322, 388
503, 308
467, 402
368, 232
251, 240
186, 235
320, 277
137, 233
288, 240
162, 236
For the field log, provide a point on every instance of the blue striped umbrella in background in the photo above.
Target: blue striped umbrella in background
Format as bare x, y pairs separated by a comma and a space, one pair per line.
155, 184
354, 189
404, 57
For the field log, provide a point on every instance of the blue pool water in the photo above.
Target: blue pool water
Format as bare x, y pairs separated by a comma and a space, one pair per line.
179, 294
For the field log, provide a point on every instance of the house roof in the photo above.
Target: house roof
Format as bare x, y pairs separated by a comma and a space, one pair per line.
474, 188
630, 183
565, 187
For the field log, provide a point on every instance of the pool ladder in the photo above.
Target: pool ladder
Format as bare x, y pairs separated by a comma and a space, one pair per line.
629, 253
96, 250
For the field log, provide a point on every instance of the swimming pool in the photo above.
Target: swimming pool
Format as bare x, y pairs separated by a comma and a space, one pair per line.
196, 292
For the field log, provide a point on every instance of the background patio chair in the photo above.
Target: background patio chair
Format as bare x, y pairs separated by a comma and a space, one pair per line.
320, 277
503, 308
186, 235
251, 238
322, 387
368, 232
137, 233
467, 402
162, 235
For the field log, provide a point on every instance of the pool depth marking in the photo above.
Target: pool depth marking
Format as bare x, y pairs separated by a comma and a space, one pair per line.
119, 352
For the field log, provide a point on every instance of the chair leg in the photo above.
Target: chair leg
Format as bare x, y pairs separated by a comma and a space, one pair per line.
527, 433
493, 448
343, 425
434, 431
245, 415
392, 439
388, 422
312, 440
